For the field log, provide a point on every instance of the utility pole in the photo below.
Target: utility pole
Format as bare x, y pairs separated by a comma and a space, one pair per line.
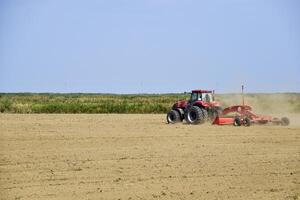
243, 100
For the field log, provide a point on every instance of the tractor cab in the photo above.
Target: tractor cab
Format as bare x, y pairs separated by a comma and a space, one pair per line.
202, 95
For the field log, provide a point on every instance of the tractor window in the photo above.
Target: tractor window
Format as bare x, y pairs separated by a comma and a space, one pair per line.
208, 97
194, 96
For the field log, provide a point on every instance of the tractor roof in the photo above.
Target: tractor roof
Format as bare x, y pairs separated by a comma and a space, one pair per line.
202, 91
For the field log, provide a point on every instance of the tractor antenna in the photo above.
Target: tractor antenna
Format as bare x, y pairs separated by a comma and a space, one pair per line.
243, 100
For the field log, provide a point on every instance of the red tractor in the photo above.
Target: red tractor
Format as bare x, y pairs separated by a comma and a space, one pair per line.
200, 108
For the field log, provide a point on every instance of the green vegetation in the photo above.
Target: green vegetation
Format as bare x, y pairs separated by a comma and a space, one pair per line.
86, 103
135, 103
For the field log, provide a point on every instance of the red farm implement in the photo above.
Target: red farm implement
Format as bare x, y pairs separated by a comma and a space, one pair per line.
242, 115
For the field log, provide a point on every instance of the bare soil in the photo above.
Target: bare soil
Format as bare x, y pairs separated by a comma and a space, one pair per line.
141, 157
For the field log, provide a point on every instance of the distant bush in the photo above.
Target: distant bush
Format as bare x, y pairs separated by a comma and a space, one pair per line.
5, 104
139, 103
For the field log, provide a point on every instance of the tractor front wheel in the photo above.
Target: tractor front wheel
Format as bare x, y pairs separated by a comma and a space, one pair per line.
173, 117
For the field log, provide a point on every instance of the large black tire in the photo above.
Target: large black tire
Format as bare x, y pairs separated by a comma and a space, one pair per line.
285, 121
181, 112
237, 122
205, 114
194, 115
214, 113
247, 122
173, 117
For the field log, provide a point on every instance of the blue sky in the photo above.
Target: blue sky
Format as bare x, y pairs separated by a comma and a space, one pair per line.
149, 46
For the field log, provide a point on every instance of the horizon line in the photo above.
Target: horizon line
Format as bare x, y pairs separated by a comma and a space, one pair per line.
162, 93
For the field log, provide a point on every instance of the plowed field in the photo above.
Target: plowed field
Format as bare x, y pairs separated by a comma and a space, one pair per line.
141, 157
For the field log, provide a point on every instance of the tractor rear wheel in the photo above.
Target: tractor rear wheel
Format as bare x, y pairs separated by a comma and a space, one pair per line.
214, 113
173, 117
194, 115
205, 114
285, 121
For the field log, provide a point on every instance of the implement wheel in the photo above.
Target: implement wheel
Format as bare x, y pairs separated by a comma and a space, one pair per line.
237, 122
247, 121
